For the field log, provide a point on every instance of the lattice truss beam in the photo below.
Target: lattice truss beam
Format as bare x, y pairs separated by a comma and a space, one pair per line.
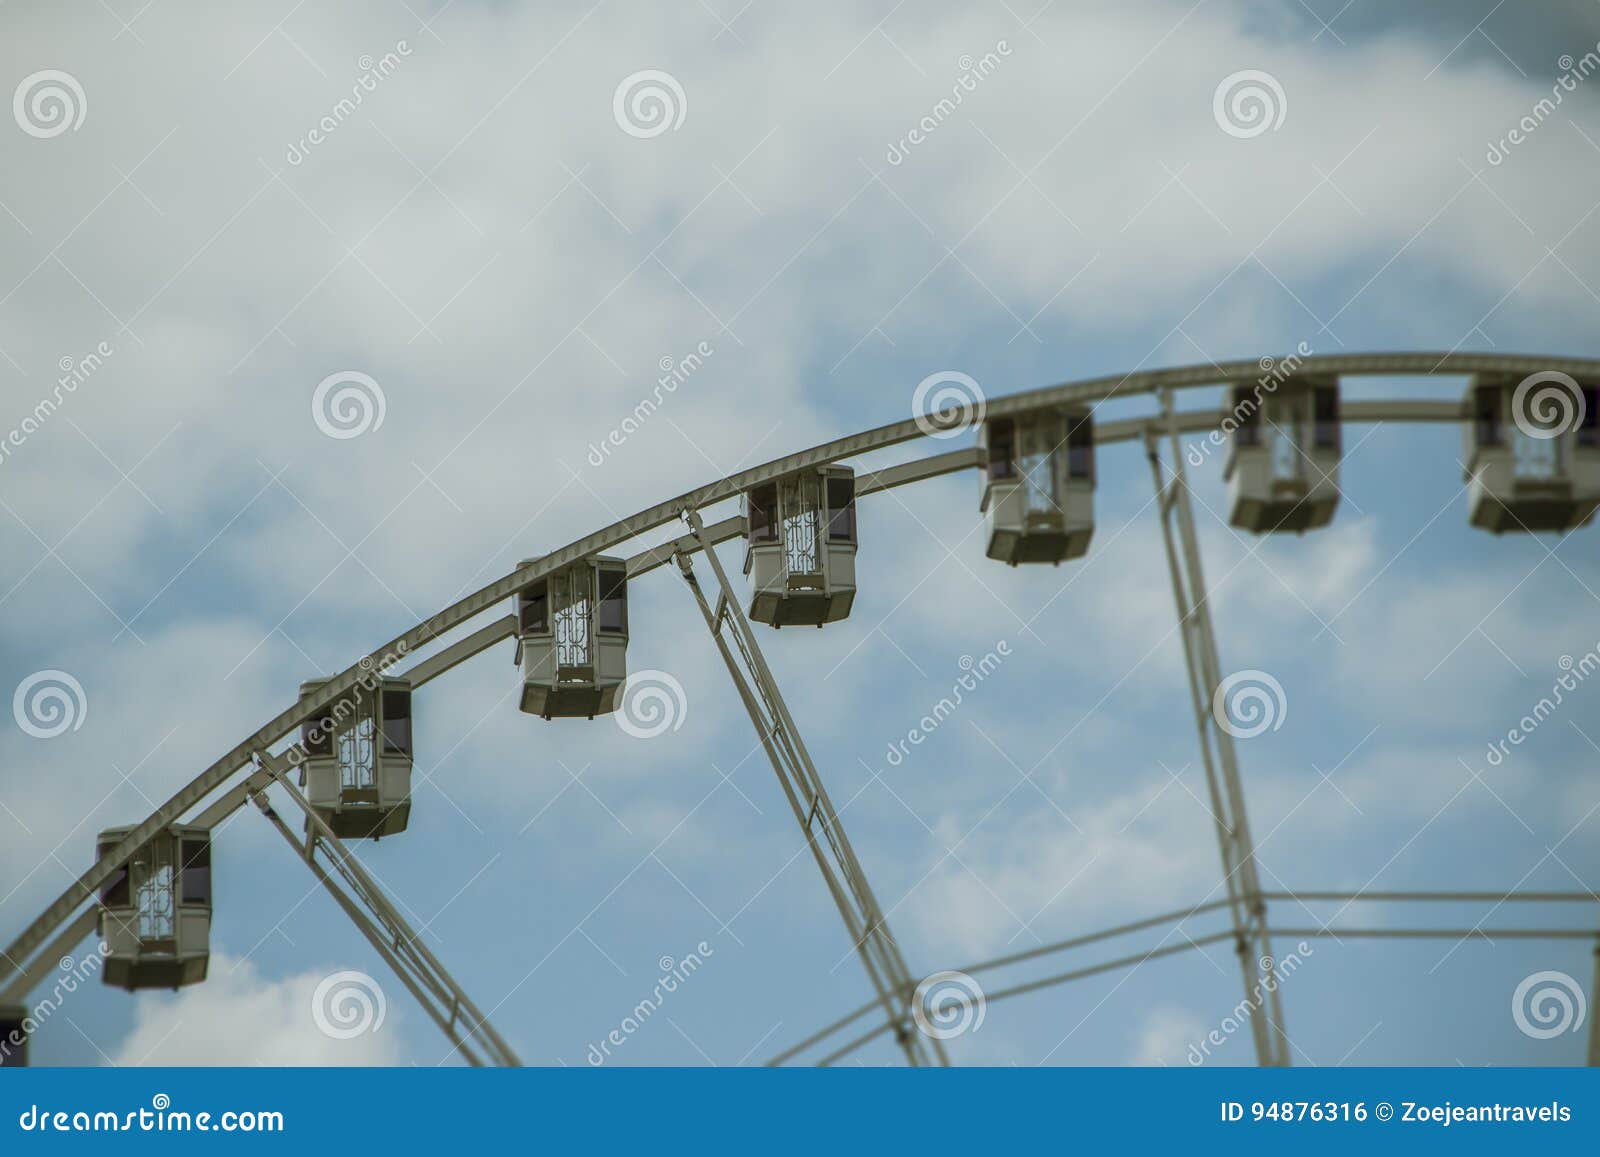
841, 1046
359, 896
808, 798
1247, 909
74, 915
1246, 901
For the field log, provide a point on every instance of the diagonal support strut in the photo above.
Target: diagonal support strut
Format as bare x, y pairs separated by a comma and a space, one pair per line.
1246, 905
813, 810
369, 909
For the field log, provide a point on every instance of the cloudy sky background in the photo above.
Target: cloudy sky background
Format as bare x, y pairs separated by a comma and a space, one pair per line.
484, 240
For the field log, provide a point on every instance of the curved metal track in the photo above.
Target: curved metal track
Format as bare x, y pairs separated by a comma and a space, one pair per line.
13, 964
1197, 942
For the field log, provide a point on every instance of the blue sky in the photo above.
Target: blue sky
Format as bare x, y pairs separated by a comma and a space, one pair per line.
483, 239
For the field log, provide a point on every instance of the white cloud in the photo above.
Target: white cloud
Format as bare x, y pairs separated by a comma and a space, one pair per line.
1133, 853
1165, 1036
240, 1017
514, 304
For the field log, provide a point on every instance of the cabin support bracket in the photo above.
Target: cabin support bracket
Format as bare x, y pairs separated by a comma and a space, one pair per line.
813, 810
390, 934
1248, 909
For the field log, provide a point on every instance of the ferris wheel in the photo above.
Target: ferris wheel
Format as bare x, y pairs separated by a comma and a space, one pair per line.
342, 753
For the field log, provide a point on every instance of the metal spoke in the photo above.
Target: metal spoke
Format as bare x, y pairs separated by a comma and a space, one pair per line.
797, 774
244, 773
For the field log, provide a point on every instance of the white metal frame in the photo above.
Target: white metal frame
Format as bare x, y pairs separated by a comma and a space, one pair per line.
389, 933
1252, 941
797, 774
27, 958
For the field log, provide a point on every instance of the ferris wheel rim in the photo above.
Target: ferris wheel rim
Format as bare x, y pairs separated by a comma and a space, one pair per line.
1454, 363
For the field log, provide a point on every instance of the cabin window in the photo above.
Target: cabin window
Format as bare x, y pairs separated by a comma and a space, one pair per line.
1002, 448
614, 601
114, 892
155, 889
1080, 448
1486, 415
1536, 459
1041, 468
800, 503
762, 516
1325, 418
316, 737
1589, 428
841, 510
533, 609
572, 595
397, 723
196, 875
1247, 416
